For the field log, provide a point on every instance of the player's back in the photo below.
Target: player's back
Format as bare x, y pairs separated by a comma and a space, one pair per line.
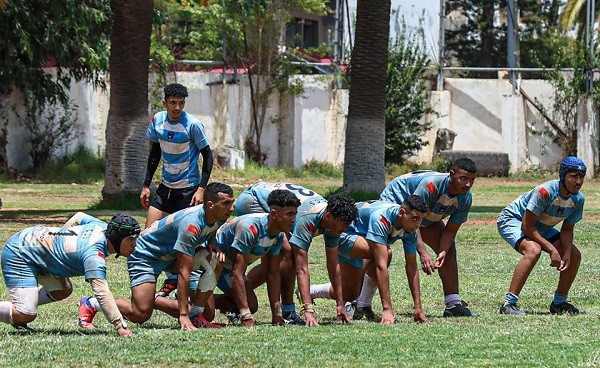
404, 185
308, 198
63, 252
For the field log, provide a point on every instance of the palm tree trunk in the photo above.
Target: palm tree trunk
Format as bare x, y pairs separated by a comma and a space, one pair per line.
364, 161
128, 118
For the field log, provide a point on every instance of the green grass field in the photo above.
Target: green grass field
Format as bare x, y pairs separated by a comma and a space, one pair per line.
486, 263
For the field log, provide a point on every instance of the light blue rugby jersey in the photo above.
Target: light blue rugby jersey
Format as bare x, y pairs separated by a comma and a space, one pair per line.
546, 202
181, 231
261, 190
180, 143
376, 222
308, 225
248, 234
65, 252
433, 187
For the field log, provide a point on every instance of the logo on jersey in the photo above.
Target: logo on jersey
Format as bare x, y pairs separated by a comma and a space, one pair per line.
544, 192
311, 227
560, 211
431, 188
101, 255
385, 222
193, 229
170, 135
253, 230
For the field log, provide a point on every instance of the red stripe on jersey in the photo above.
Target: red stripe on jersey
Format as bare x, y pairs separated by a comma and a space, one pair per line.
544, 192
193, 229
311, 227
253, 230
385, 222
101, 255
431, 188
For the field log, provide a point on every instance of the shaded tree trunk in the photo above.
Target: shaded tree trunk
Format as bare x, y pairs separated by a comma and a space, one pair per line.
128, 118
364, 160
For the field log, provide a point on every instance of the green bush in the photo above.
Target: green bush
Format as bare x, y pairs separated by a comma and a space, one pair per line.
81, 167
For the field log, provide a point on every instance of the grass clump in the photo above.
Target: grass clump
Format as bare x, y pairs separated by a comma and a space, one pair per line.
82, 167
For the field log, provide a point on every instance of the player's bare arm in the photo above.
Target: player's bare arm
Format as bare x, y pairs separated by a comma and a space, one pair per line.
301, 262
528, 227
274, 288
239, 289
412, 274
335, 278
183, 287
380, 255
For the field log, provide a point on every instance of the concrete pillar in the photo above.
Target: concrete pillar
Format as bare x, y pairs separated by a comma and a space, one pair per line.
587, 135
514, 133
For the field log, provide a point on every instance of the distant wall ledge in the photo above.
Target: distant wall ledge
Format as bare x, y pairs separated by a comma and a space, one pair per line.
488, 163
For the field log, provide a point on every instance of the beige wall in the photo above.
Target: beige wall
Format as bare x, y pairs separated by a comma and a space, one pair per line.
484, 114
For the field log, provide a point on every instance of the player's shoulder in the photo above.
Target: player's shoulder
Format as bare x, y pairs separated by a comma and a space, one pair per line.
159, 118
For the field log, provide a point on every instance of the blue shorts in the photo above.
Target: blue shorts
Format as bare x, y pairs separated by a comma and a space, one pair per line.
246, 203
345, 245
510, 230
16, 271
224, 284
142, 271
172, 200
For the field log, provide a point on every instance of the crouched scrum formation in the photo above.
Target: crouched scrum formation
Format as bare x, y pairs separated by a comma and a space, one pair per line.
205, 256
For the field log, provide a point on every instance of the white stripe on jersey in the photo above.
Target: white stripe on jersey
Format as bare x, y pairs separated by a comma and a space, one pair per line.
174, 148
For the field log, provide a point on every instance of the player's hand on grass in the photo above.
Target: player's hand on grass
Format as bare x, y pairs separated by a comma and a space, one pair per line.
427, 263
250, 322
419, 316
185, 324
439, 262
277, 321
311, 321
342, 315
124, 332
387, 317
145, 197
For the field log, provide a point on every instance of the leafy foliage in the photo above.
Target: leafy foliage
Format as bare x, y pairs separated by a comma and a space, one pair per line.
406, 96
481, 39
50, 128
242, 34
72, 36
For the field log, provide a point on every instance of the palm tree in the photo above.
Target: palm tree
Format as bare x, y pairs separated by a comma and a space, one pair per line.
126, 143
574, 13
364, 161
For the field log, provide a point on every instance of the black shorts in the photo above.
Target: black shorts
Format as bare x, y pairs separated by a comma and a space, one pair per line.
172, 200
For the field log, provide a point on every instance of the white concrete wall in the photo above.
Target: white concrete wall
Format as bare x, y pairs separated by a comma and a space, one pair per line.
484, 113
487, 116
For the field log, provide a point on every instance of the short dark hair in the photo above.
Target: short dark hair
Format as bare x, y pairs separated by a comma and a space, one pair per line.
415, 202
282, 198
466, 164
342, 207
212, 190
175, 90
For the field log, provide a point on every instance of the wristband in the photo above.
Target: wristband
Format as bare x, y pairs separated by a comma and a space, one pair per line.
308, 308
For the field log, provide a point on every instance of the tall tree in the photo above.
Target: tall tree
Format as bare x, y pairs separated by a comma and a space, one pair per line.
478, 38
364, 163
126, 143
34, 36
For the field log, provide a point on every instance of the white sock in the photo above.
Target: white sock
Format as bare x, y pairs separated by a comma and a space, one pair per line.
320, 291
44, 296
6, 312
369, 287
94, 303
451, 300
195, 310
